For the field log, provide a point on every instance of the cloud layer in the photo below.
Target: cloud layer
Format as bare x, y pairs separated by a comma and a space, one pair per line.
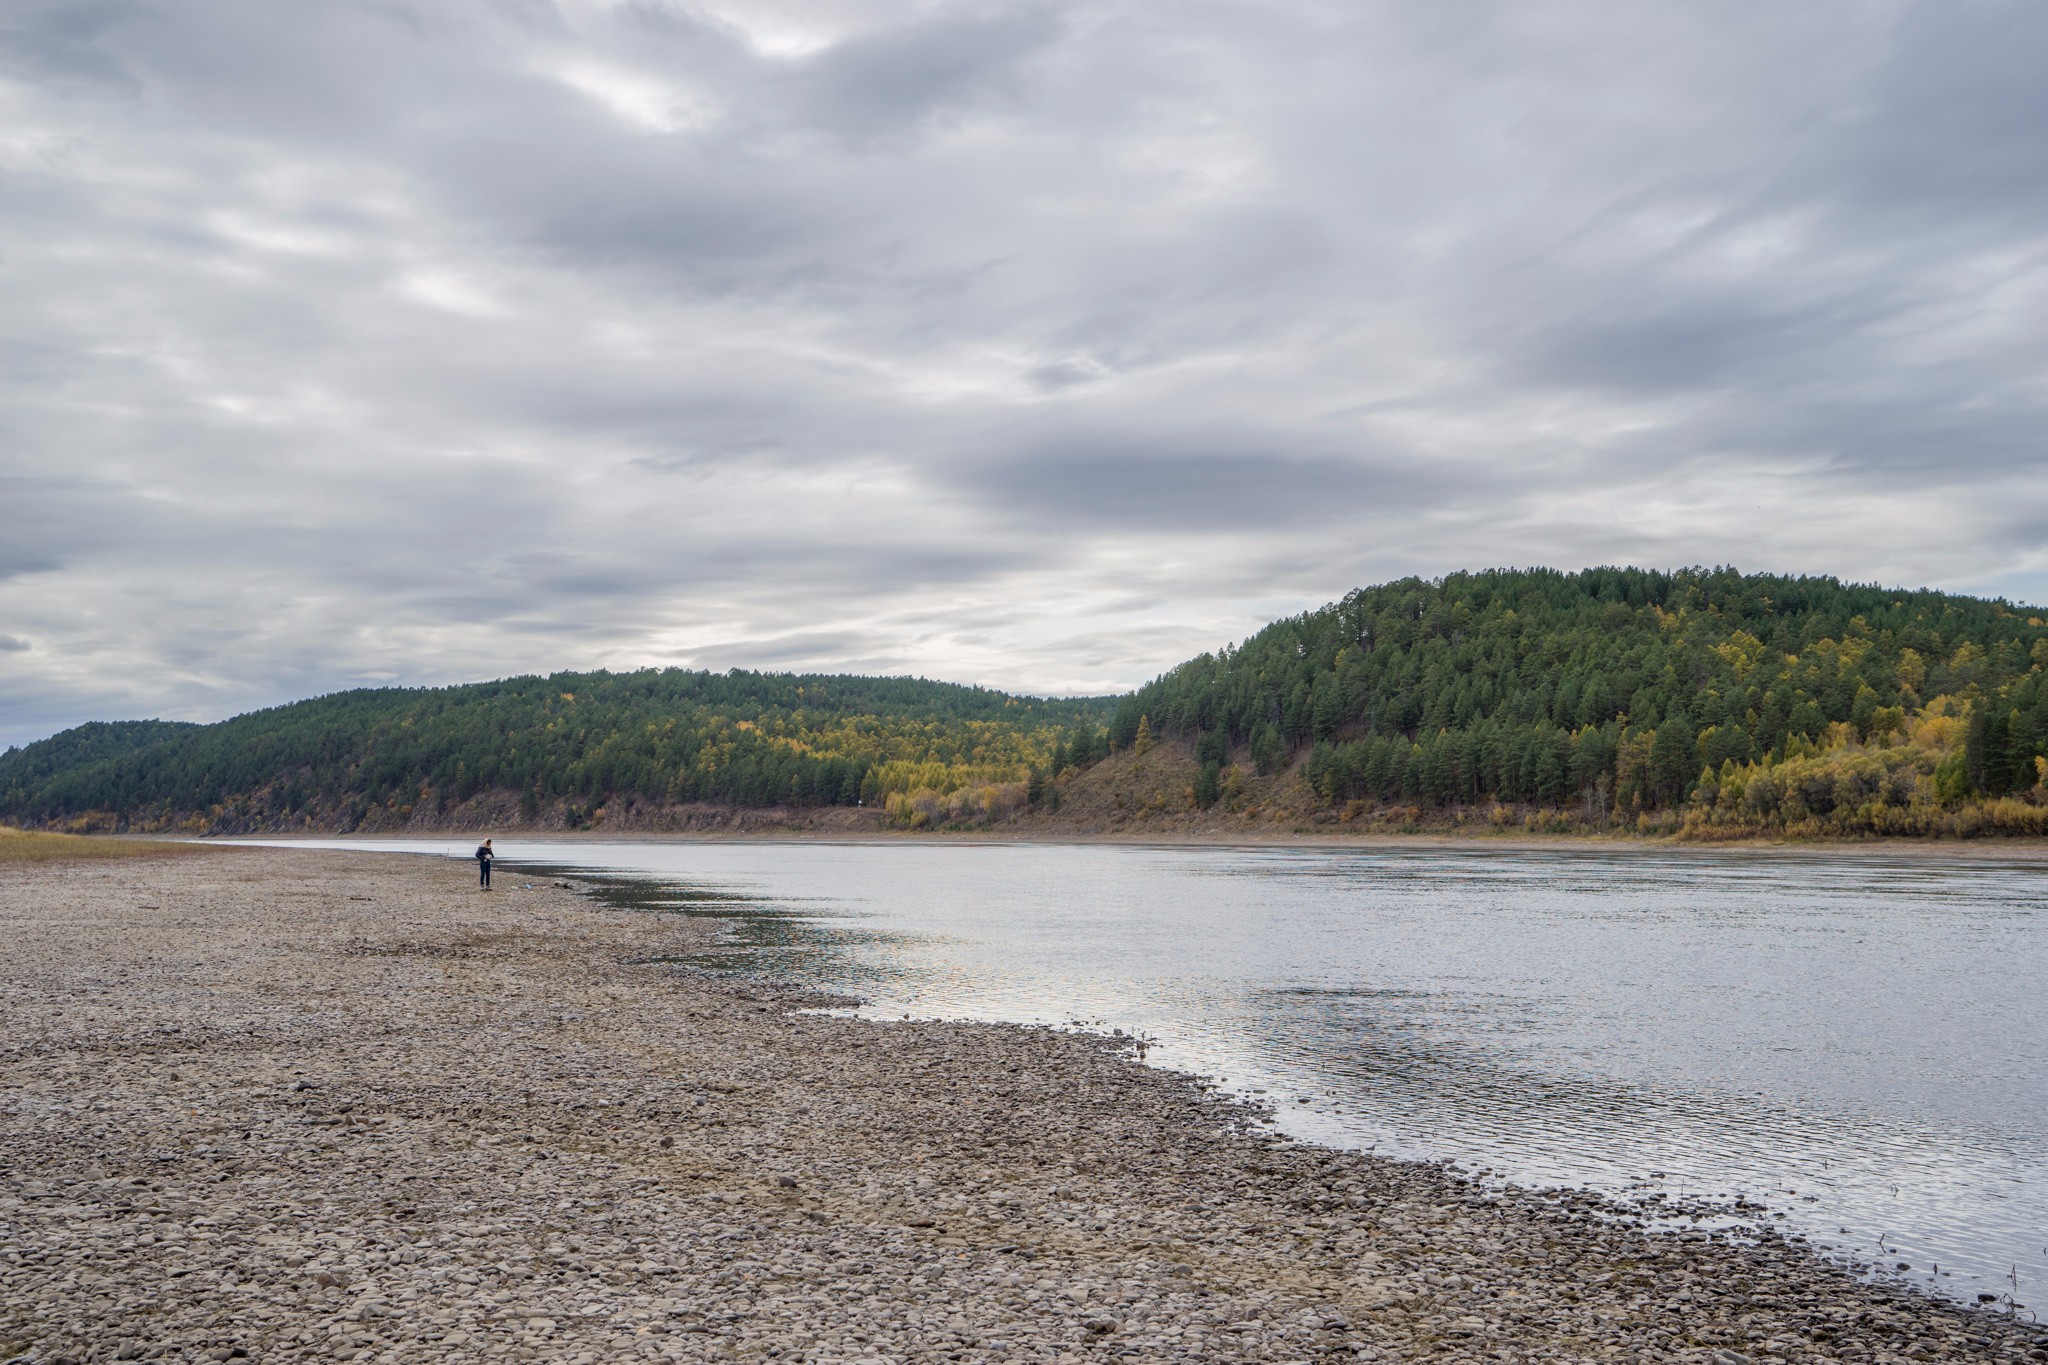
1033, 344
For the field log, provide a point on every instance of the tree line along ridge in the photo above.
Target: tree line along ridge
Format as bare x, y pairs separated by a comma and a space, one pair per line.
1698, 700
564, 750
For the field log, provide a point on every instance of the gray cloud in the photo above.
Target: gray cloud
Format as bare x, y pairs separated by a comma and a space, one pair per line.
897, 78
1192, 488
1023, 343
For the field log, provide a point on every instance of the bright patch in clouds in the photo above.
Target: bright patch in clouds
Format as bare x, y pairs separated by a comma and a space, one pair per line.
634, 98
452, 293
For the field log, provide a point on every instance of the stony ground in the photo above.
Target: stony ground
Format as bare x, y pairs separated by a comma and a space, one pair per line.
290, 1106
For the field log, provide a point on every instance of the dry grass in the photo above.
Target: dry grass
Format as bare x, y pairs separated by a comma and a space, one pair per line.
30, 846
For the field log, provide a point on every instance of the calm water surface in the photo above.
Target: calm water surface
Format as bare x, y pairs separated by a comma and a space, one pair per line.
1858, 1042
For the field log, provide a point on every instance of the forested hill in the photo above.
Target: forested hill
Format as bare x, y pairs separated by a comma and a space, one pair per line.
1698, 698
1700, 701
82, 747
566, 750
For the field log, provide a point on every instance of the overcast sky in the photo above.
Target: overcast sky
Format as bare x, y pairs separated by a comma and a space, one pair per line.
1037, 345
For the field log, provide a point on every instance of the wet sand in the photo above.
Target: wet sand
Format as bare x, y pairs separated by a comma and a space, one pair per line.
287, 1105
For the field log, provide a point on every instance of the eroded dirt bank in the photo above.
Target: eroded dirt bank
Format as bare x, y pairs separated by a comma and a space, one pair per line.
291, 1105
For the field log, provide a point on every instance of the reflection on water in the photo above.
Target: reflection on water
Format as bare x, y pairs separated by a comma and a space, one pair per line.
1856, 1042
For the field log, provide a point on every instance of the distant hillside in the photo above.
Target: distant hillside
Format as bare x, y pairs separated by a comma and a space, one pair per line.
1700, 702
83, 746
571, 750
1702, 699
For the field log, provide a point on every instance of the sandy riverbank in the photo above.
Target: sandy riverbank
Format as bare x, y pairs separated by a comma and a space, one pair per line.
292, 1105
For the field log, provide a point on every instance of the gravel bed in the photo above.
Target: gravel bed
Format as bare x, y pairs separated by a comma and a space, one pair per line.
282, 1105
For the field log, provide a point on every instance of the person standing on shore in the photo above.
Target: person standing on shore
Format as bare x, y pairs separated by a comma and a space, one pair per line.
483, 864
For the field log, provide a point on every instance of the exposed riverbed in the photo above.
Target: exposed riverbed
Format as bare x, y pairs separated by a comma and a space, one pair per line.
285, 1106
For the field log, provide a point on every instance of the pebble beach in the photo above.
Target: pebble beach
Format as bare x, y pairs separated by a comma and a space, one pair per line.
287, 1105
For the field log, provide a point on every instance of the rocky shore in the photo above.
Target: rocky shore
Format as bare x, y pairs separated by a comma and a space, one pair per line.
287, 1105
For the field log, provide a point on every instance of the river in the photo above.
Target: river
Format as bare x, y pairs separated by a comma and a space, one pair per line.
1857, 1041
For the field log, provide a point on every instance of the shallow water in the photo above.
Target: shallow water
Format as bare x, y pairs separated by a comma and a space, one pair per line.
1855, 1041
